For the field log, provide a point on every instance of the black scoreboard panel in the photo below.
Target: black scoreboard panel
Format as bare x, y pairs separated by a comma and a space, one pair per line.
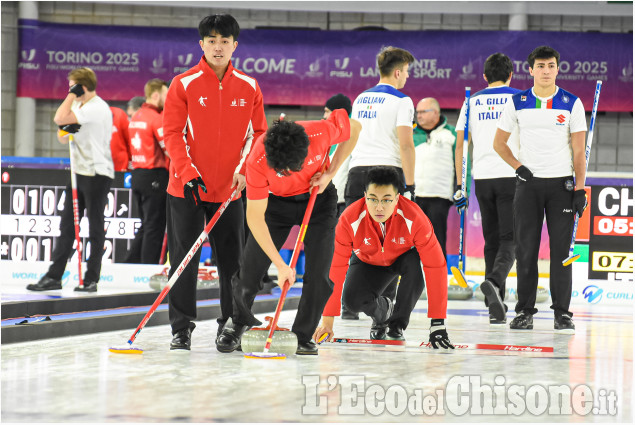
32, 201
611, 238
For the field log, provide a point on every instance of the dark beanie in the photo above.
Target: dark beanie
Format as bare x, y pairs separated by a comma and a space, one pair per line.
339, 101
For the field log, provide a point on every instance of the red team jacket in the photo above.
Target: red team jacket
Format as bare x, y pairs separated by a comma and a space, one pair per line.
146, 138
120, 142
322, 134
208, 127
408, 227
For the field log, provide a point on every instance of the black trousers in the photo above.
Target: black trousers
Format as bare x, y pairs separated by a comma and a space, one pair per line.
354, 190
437, 210
227, 238
365, 282
281, 215
496, 200
149, 192
533, 201
92, 195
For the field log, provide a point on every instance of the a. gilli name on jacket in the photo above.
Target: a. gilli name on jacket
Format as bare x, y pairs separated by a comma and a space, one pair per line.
491, 114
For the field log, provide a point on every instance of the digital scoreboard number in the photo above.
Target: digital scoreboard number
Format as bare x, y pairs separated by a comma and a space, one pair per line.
611, 239
32, 202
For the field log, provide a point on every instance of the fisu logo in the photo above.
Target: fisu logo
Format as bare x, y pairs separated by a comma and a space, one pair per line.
185, 60
28, 55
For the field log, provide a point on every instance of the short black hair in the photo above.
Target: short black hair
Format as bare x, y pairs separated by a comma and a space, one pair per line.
286, 146
543, 52
383, 176
497, 67
339, 101
391, 58
223, 24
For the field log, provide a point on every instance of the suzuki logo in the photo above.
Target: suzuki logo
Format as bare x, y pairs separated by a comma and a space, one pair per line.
342, 64
593, 294
561, 118
185, 60
28, 55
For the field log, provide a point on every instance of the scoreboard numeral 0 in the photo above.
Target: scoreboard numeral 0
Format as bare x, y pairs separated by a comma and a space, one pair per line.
48, 202
18, 201
18, 251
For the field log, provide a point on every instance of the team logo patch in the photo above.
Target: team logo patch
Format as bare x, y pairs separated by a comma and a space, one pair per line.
568, 185
523, 98
565, 98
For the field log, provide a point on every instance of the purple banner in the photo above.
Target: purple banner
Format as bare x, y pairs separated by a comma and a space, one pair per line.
307, 67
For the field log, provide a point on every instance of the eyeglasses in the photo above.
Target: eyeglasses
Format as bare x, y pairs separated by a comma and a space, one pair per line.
384, 202
424, 111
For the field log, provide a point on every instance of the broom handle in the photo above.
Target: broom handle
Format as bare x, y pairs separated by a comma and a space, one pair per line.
186, 260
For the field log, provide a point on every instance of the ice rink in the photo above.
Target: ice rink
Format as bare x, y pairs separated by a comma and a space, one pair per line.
587, 378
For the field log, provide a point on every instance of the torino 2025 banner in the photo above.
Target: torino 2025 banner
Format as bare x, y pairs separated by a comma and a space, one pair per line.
307, 67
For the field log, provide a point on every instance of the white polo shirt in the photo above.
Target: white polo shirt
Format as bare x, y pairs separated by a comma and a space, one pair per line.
92, 142
380, 110
545, 126
486, 106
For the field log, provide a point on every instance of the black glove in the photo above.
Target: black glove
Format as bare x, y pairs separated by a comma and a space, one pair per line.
460, 201
409, 192
438, 335
524, 174
579, 202
77, 90
190, 191
70, 128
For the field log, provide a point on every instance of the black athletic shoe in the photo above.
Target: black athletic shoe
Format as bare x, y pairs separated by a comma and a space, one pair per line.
494, 302
378, 329
89, 286
229, 339
349, 315
45, 284
395, 333
307, 349
522, 321
493, 321
182, 340
563, 324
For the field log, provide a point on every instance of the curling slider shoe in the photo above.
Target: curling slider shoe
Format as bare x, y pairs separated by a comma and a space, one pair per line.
126, 350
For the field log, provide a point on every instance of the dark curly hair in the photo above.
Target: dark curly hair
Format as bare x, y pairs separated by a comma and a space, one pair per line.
286, 147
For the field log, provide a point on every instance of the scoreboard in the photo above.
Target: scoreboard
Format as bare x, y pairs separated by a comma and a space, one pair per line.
32, 201
611, 236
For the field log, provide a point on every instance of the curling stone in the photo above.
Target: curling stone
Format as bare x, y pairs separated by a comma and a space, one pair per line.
542, 294
158, 281
207, 278
478, 294
284, 341
456, 292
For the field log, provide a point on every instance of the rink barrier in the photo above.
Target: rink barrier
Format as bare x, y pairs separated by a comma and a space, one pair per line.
112, 320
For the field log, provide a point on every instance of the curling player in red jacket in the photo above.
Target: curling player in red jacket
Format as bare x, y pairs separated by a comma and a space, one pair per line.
377, 238
212, 114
